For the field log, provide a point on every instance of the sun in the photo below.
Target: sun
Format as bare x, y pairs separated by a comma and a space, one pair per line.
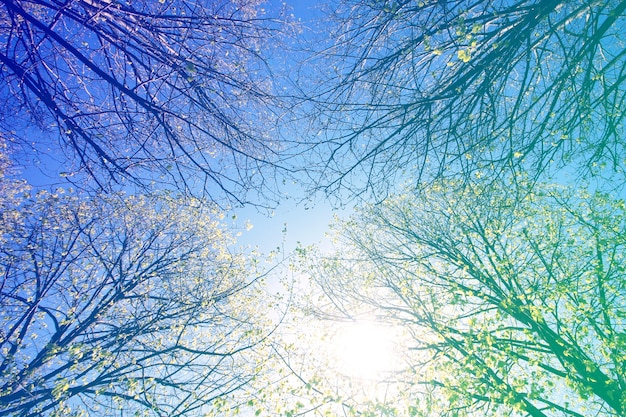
364, 350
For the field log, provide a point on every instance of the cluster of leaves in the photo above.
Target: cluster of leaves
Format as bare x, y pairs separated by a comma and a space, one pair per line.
120, 303
513, 303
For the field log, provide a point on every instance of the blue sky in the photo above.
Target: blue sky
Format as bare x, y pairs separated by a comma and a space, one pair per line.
291, 221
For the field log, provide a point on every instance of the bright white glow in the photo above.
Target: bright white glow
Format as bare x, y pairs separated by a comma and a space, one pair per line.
364, 350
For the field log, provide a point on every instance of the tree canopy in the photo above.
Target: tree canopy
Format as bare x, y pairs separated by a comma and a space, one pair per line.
416, 90
121, 303
173, 93
513, 304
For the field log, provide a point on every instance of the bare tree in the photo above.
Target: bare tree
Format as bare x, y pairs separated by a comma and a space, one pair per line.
414, 90
511, 306
120, 306
174, 92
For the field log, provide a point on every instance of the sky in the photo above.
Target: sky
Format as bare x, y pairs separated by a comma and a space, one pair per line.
292, 222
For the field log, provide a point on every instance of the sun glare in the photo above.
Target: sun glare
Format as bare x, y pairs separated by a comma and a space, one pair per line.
364, 350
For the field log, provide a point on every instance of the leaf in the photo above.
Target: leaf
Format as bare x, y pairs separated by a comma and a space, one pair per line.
464, 55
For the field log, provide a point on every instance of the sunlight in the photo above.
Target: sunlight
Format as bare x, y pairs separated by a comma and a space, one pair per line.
364, 350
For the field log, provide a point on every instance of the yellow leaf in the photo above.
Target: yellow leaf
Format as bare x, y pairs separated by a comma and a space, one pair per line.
464, 55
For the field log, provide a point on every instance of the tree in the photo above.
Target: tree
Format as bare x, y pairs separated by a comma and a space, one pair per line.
512, 304
418, 90
121, 306
170, 92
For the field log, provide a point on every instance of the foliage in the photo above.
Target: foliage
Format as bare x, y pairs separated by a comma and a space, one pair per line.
174, 92
513, 302
121, 305
414, 90
507, 292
